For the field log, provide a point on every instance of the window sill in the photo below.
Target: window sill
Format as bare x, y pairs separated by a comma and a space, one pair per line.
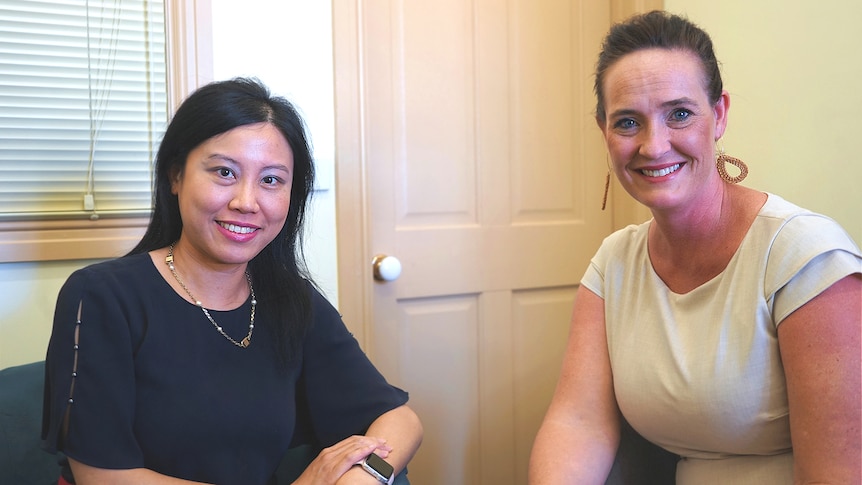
69, 240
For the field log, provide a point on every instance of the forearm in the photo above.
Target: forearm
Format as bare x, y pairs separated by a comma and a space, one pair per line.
580, 433
402, 430
564, 453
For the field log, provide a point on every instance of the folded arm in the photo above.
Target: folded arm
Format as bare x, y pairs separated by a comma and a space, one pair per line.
394, 436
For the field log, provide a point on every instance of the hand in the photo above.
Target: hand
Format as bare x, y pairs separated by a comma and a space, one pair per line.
338, 459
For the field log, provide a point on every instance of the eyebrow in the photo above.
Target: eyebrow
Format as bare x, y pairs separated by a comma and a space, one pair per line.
219, 157
684, 101
678, 102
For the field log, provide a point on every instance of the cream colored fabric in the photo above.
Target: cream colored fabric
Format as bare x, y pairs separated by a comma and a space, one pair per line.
700, 373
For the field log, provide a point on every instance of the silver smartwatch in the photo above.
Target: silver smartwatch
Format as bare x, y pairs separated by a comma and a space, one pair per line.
378, 468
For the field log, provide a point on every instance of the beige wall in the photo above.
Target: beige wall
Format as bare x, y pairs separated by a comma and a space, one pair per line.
28, 292
792, 70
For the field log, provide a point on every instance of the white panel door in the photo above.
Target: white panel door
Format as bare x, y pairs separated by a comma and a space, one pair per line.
468, 126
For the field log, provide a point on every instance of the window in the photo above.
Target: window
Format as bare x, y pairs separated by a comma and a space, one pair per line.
86, 88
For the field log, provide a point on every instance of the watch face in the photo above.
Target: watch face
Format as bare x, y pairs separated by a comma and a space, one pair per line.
378, 467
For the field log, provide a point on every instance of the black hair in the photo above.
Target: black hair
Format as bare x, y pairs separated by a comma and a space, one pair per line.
278, 272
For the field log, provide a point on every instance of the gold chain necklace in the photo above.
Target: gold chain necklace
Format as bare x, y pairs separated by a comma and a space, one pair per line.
244, 342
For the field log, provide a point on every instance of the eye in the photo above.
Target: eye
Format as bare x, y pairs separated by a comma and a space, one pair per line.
625, 124
680, 115
224, 172
271, 180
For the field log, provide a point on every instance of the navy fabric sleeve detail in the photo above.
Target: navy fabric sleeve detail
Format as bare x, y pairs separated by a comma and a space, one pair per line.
59, 362
345, 393
100, 400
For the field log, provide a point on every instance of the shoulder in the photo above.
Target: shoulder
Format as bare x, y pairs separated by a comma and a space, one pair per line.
805, 253
320, 304
798, 234
326, 320
123, 266
112, 275
788, 218
617, 256
623, 242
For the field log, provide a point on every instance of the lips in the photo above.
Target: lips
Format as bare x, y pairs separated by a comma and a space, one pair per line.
237, 229
661, 172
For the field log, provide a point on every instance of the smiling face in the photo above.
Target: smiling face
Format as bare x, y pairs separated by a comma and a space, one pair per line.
234, 193
661, 127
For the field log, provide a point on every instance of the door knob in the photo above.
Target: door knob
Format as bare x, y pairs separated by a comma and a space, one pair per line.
386, 268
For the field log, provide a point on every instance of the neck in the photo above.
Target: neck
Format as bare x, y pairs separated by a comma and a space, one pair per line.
709, 236
218, 288
696, 227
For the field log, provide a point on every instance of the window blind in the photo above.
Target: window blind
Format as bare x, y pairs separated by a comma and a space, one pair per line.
83, 104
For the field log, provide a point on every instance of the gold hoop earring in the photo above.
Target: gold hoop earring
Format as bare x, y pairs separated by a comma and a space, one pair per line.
721, 162
607, 185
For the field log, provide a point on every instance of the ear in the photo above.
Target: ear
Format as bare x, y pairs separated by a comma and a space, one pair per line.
721, 107
175, 175
603, 127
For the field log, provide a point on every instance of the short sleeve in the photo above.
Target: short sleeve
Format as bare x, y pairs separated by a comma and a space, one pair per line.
593, 278
808, 255
90, 384
343, 390
607, 261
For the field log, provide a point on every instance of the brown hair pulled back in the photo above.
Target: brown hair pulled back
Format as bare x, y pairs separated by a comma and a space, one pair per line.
657, 29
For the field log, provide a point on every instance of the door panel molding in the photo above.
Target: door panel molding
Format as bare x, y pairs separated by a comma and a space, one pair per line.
483, 172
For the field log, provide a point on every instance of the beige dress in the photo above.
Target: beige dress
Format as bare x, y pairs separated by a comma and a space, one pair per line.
700, 373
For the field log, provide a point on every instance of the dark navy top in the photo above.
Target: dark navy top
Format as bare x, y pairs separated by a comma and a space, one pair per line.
156, 386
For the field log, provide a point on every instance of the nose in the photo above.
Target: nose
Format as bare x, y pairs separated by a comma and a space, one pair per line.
244, 198
655, 141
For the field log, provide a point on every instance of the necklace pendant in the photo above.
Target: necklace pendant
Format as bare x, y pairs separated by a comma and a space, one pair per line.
247, 340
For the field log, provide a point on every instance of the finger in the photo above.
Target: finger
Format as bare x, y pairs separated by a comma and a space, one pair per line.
335, 461
355, 447
358, 453
383, 450
381, 442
